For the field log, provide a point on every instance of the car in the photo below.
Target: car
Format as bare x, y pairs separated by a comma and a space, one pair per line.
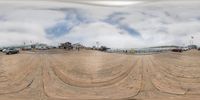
11, 51
1, 49
185, 48
177, 50
4, 50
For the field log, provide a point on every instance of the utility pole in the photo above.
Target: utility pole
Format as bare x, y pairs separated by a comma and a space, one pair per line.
97, 44
192, 40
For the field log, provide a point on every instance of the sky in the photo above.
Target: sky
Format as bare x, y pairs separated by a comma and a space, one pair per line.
134, 26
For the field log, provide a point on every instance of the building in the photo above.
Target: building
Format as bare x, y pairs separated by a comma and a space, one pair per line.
66, 45
78, 46
192, 46
41, 46
28, 47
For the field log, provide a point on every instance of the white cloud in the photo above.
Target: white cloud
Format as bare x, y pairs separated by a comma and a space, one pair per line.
103, 33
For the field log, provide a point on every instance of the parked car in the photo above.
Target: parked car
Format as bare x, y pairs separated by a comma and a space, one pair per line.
185, 48
1, 49
11, 51
4, 50
177, 50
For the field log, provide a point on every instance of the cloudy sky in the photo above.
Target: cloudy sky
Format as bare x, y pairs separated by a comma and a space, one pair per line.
133, 26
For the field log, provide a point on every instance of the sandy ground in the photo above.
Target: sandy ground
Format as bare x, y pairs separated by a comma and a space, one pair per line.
73, 75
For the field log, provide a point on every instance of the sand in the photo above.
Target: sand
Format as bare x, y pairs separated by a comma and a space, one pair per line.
72, 75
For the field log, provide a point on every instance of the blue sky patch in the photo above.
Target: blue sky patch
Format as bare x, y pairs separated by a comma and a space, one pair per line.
59, 29
116, 18
72, 19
